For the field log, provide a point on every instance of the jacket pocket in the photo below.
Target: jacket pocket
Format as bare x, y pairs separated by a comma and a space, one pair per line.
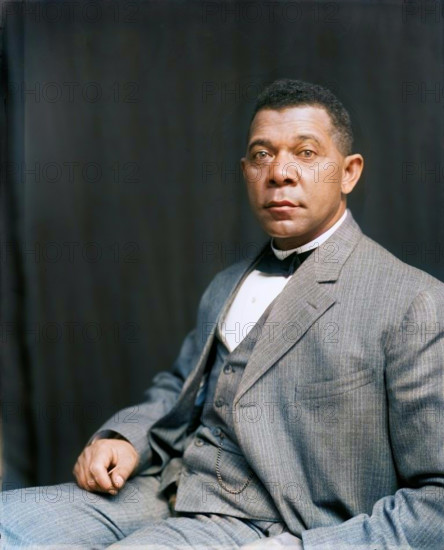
334, 387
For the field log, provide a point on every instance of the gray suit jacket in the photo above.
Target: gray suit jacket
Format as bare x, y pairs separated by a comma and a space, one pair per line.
341, 406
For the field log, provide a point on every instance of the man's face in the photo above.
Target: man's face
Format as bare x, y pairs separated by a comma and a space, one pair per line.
296, 177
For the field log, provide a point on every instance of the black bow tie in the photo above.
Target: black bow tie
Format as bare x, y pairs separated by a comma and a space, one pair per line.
271, 264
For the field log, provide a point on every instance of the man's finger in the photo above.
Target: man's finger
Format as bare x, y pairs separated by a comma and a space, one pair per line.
98, 475
80, 476
121, 472
125, 458
117, 480
105, 465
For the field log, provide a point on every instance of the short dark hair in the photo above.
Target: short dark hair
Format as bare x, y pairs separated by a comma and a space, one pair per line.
292, 93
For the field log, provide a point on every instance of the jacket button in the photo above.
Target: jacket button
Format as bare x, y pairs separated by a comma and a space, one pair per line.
228, 369
219, 402
217, 431
198, 442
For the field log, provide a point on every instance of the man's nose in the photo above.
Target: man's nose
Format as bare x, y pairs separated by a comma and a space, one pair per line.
284, 170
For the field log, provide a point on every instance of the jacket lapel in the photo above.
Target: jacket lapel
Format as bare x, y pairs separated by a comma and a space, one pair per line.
222, 298
303, 300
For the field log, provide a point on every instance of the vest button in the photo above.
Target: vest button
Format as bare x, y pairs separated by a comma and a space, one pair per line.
219, 402
198, 442
228, 369
217, 431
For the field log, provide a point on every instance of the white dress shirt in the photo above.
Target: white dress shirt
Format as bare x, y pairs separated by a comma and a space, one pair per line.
258, 291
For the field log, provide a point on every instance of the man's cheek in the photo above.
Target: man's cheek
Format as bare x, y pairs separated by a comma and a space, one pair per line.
254, 173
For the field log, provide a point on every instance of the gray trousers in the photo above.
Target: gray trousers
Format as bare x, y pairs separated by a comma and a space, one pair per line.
64, 516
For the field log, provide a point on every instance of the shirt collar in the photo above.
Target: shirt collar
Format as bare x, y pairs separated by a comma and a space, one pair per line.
282, 254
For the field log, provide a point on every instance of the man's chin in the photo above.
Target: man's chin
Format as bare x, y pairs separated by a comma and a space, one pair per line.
286, 240
285, 232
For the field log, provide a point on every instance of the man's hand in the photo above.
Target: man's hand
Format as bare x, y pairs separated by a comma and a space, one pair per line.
92, 469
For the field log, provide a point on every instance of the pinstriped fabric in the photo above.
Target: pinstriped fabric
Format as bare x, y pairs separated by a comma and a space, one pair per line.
64, 517
327, 385
196, 532
341, 401
67, 517
199, 489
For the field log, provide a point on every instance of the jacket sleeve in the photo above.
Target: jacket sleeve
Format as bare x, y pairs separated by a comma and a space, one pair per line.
413, 517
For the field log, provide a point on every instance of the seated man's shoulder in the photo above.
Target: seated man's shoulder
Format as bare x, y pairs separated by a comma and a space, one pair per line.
392, 272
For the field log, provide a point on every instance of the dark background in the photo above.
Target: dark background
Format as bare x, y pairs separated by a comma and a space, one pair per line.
122, 128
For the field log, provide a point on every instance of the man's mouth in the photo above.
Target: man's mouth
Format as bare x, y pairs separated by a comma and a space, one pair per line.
284, 205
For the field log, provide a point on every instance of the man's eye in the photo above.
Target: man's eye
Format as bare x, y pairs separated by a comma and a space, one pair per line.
260, 155
308, 153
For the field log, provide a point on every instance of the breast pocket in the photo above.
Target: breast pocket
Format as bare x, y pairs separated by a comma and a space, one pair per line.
331, 388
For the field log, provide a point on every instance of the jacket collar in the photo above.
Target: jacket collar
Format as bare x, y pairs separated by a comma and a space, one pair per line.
331, 256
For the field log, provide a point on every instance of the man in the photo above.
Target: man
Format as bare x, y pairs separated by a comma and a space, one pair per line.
304, 410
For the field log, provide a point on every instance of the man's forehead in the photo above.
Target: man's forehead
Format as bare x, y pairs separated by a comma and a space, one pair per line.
292, 120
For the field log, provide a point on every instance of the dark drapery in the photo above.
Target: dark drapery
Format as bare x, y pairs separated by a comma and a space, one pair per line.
121, 189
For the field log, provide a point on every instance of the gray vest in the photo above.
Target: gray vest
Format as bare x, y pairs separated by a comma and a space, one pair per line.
199, 489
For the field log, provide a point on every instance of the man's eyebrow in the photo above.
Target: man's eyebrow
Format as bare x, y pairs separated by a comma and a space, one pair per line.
268, 143
260, 141
306, 137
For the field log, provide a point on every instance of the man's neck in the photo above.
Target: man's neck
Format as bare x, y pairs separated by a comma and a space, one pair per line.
282, 254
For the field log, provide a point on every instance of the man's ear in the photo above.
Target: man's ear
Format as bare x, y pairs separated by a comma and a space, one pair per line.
243, 160
351, 172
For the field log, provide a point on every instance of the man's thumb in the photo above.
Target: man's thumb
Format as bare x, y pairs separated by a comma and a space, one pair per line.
121, 473
125, 458
118, 480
